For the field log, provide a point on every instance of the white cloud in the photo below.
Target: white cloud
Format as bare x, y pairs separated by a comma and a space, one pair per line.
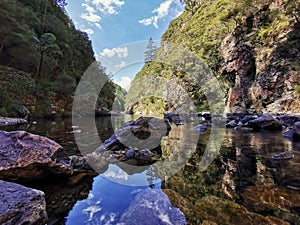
95, 9
90, 17
88, 31
120, 52
146, 22
161, 12
88, 8
124, 82
98, 25
121, 65
107, 6
90, 14
121, 175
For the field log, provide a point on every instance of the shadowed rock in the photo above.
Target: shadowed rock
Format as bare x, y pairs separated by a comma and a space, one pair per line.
21, 205
27, 156
266, 122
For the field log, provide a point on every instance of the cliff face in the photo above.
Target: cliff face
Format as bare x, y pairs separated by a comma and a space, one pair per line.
252, 47
263, 55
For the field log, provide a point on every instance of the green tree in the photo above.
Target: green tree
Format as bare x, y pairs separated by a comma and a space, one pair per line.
150, 52
47, 45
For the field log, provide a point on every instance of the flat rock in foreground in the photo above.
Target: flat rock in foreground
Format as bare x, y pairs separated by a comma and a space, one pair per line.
27, 156
21, 205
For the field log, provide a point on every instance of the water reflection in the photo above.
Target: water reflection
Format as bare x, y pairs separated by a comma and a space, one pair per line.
109, 198
243, 183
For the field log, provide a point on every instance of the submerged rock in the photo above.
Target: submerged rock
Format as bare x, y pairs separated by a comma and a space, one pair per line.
265, 198
5, 121
283, 155
21, 205
152, 207
214, 210
27, 156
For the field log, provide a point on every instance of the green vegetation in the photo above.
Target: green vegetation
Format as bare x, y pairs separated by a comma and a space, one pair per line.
37, 37
297, 89
204, 27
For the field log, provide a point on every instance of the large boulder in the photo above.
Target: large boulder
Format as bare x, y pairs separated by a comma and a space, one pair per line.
152, 207
137, 140
21, 205
27, 156
266, 122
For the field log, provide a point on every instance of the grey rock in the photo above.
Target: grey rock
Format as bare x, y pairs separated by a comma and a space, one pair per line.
21, 205
231, 124
129, 154
152, 207
201, 128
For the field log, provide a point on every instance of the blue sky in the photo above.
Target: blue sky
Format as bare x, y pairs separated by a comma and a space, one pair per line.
119, 30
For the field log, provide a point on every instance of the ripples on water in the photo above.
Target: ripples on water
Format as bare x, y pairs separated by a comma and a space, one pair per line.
243, 175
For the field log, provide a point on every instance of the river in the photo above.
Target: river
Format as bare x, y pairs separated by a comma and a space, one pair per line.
242, 182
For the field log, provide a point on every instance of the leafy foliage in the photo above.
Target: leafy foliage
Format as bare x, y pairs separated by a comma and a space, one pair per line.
37, 37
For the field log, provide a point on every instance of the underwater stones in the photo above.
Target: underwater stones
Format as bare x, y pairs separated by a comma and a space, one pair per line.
283, 156
267, 198
4, 121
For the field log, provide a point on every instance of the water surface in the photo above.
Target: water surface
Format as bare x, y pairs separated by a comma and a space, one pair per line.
243, 177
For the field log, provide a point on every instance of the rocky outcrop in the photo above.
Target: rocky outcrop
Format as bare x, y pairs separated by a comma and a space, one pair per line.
27, 156
240, 64
138, 140
152, 207
21, 205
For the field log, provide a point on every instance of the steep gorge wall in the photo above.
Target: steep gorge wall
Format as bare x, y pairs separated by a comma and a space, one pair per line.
252, 47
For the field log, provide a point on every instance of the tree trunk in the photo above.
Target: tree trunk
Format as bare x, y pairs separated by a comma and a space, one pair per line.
39, 72
1, 48
45, 13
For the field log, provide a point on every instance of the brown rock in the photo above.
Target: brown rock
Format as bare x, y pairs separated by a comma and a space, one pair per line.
21, 205
74, 180
207, 222
27, 156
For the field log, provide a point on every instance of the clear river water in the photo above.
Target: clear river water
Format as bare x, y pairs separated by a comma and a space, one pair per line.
243, 185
